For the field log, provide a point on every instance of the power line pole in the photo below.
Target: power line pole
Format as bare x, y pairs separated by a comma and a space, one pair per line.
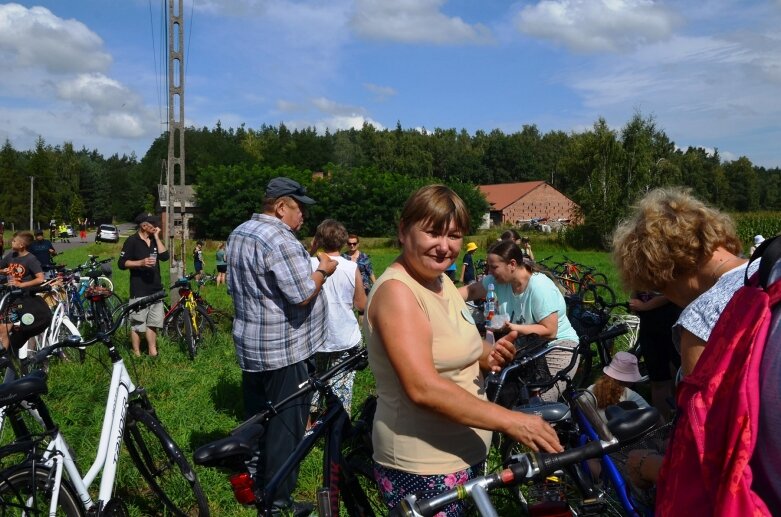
32, 180
176, 136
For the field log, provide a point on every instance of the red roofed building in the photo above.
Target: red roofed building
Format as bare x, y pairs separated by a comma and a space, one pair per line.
514, 202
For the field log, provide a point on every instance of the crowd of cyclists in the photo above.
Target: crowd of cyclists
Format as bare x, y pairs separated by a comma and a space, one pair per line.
681, 260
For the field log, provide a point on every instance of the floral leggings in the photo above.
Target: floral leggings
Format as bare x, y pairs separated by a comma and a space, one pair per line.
395, 485
342, 384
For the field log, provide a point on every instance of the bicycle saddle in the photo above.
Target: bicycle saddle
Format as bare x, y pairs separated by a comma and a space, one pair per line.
21, 389
628, 424
551, 412
230, 452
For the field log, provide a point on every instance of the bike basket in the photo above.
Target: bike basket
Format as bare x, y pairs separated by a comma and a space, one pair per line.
587, 321
97, 292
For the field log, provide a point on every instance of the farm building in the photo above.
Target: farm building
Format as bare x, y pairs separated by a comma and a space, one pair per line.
512, 203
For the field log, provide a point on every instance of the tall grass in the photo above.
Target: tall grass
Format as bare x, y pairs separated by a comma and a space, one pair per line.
200, 400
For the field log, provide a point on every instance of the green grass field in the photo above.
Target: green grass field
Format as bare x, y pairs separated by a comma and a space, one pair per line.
199, 401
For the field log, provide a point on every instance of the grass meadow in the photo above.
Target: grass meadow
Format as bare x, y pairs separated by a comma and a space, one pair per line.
199, 401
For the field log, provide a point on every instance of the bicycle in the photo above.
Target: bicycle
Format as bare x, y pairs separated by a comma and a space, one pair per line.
51, 477
624, 428
577, 422
347, 464
188, 319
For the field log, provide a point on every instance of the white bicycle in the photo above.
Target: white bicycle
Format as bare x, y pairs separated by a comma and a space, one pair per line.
48, 480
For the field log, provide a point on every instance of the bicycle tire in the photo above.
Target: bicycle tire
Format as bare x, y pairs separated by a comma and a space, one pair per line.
104, 281
189, 333
581, 379
174, 327
601, 296
65, 330
163, 465
361, 494
20, 492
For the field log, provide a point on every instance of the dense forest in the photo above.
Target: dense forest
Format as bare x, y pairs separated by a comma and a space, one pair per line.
369, 172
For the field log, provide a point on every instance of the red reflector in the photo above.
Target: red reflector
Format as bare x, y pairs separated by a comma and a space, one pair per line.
183, 292
243, 488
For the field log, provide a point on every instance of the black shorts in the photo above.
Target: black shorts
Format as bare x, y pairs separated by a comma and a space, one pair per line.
33, 316
198, 266
222, 269
656, 342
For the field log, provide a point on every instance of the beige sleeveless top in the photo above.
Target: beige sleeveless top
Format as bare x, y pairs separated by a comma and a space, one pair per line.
413, 439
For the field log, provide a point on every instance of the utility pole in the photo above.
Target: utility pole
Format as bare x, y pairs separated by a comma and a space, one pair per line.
32, 180
175, 162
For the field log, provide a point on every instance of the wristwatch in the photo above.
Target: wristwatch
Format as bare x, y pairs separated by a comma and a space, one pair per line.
322, 272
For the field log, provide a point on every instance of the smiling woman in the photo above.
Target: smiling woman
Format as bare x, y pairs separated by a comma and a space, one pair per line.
433, 423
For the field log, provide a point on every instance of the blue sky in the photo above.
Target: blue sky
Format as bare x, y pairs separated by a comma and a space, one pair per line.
88, 71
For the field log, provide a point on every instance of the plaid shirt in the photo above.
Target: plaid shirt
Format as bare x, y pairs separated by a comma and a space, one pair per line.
270, 275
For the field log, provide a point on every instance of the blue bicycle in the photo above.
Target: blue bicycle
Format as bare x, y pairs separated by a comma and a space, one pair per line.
587, 488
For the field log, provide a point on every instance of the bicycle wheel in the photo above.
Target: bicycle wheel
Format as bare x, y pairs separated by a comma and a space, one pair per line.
28, 491
189, 333
601, 296
65, 330
104, 281
163, 464
174, 323
360, 491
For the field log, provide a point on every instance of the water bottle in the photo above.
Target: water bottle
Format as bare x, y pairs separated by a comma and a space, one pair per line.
153, 256
489, 309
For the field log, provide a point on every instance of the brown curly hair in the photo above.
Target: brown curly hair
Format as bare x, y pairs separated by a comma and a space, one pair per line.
607, 391
670, 235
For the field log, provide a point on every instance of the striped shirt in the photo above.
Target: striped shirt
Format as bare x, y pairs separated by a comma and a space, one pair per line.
270, 276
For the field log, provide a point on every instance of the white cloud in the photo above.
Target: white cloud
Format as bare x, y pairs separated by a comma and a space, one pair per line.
37, 38
414, 21
598, 25
60, 66
382, 92
334, 108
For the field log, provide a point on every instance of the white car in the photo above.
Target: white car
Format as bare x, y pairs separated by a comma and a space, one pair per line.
107, 233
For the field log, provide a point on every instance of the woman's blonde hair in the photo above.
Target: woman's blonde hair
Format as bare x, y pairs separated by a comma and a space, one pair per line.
437, 205
670, 235
607, 391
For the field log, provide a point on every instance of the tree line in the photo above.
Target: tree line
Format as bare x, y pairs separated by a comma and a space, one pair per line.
368, 172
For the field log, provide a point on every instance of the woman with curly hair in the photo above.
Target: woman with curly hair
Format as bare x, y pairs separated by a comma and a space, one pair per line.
676, 245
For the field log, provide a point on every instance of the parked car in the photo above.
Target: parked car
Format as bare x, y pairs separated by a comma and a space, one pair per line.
70, 231
107, 233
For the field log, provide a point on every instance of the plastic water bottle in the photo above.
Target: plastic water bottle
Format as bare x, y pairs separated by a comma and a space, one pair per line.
153, 255
489, 309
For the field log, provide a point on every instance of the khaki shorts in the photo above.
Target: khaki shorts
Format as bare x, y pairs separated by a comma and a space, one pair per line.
148, 317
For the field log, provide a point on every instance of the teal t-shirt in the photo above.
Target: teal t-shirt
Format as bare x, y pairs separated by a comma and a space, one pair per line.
540, 299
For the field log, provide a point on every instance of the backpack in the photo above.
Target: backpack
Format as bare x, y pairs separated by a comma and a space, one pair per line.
706, 470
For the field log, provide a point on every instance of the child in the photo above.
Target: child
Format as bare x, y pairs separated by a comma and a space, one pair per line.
198, 260
613, 387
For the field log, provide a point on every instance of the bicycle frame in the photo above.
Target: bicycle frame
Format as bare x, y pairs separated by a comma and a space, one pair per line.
57, 455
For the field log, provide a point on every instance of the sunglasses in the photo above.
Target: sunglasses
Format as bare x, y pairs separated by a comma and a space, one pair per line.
352, 243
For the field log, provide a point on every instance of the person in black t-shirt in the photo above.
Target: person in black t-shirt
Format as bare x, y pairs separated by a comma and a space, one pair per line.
42, 249
141, 254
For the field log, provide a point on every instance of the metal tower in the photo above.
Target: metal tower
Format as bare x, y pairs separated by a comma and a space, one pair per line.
175, 164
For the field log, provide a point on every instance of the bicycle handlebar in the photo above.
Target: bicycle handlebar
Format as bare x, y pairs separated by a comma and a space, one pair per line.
76, 342
530, 466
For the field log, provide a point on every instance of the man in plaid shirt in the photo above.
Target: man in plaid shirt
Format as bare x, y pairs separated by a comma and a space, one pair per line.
280, 320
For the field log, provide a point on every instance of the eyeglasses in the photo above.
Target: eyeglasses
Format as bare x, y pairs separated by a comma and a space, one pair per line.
352, 243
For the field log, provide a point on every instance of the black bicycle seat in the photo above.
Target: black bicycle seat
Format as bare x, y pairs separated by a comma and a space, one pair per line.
21, 389
230, 452
628, 424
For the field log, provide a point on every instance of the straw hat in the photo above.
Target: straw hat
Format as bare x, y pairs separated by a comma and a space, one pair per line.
623, 367
471, 246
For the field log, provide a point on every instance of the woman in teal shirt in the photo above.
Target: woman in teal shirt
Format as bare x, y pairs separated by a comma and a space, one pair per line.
531, 300
222, 265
